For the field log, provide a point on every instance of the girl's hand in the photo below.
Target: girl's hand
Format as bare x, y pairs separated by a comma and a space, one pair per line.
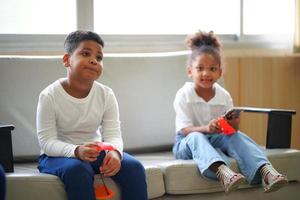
213, 127
87, 152
111, 164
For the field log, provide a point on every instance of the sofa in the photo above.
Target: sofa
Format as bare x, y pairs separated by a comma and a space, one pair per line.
145, 86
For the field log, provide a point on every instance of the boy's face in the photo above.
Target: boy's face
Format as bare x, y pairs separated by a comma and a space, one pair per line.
205, 71
85, 63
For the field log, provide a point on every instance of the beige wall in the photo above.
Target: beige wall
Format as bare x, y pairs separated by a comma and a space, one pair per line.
265, 81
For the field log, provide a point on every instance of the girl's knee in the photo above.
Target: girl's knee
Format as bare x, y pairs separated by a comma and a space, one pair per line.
240, 136
196, 138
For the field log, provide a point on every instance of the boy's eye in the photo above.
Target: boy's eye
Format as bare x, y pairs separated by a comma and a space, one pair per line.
99, 58
85, 53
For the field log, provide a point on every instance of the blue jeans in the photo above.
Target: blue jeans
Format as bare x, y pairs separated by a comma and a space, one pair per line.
78, 176
206, 149
2, 183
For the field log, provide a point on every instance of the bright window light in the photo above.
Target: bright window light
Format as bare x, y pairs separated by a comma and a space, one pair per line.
37, 16
274, 17
166, 16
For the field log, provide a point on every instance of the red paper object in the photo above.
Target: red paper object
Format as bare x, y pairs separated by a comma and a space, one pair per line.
105, 146
226, 128
102, 192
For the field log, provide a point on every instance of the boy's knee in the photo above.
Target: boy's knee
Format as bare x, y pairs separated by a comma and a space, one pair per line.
77, 168
133, 165
2, 183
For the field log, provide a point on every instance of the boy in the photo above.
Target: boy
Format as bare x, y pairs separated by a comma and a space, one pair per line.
76, 112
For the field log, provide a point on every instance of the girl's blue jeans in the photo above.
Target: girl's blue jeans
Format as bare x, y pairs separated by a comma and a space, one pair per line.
2, 183
206, 149
78, 176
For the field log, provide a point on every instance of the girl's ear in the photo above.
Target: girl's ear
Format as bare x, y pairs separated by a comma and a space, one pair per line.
66, 60
221, 72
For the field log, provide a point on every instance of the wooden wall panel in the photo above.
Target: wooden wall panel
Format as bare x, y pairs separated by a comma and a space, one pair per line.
232, 78
269, 82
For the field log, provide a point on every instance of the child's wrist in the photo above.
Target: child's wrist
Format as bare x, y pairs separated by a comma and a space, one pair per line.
76, 152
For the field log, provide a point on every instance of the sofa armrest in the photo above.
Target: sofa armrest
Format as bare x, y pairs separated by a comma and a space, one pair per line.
279, 126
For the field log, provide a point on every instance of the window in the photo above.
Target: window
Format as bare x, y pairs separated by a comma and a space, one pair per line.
166, 16
144, 25
268, 17
37, 17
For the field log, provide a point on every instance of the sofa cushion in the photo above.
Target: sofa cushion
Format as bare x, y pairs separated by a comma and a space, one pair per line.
27, 183
183, 176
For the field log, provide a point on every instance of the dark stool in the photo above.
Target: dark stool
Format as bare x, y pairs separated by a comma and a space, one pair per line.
6, 154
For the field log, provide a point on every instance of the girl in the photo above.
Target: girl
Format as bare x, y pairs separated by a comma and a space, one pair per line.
198, 106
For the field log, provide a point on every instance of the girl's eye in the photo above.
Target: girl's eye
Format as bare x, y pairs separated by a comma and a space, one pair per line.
199, 69
213, 69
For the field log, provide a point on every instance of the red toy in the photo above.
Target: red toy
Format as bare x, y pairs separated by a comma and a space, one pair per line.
103, 192
226, 128
104, 146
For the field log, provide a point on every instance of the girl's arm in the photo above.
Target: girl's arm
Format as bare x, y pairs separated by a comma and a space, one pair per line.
210, 128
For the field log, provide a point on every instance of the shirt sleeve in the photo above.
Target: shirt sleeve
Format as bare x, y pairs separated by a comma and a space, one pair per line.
47, 131
229, 102
183, 114
110, 128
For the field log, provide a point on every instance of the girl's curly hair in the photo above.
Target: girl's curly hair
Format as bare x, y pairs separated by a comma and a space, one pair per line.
203, 42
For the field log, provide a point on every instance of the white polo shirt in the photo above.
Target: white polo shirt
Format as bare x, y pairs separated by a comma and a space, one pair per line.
192, 110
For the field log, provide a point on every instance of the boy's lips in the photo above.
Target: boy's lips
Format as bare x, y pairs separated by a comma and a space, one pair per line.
92, 69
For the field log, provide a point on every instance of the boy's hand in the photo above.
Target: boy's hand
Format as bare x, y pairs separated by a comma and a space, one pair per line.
213, 127
111, 164
87, 152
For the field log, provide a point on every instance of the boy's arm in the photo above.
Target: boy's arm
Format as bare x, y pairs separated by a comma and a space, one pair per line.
47, 132
111, 130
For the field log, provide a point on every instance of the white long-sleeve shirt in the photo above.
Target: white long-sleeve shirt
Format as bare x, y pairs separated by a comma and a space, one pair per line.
192, 110
64, 122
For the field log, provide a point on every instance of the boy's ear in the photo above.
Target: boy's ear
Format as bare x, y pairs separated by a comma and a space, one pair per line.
66, 60
189, 71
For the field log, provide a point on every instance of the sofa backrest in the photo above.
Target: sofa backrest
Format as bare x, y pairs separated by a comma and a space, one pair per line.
145, 86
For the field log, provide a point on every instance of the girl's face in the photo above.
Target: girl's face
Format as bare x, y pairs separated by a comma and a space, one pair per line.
205, 71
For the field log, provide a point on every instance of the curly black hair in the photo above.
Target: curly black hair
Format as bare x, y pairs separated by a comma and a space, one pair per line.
203, 42
74, 38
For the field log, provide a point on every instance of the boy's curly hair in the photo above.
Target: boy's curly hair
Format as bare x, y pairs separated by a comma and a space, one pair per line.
74, 38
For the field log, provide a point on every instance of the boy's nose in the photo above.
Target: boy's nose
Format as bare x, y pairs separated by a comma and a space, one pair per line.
93, 61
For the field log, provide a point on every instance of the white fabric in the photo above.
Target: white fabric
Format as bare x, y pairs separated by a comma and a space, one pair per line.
63, 122
192, 110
